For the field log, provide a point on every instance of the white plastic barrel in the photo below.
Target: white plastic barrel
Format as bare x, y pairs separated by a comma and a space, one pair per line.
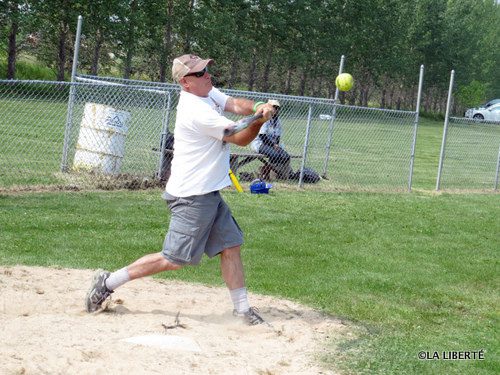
101, 142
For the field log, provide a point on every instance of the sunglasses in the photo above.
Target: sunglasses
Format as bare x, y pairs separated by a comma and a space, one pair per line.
199, 74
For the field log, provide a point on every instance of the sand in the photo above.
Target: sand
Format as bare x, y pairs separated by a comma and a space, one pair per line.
175, 328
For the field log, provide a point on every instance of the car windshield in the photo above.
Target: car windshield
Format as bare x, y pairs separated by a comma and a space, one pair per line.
491, 102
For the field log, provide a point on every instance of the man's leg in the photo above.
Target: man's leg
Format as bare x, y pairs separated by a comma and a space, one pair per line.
232, 268
279, 160
234, 276
149, 265
265, 171
176, 246
104, 283
285, 170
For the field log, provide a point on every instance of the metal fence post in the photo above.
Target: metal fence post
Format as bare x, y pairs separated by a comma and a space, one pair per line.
498, 171
445, 131
71, 99
306, 145
417, 113
332, 120
358, 135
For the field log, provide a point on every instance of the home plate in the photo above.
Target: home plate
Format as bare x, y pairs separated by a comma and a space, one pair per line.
166, 342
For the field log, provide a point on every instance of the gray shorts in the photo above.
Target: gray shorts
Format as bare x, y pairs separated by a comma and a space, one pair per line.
199, 224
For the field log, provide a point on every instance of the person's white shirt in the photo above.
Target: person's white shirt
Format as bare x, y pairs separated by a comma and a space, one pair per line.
201, 159
272, 129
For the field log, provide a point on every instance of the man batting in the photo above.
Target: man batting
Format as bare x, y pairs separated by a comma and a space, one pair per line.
201, 222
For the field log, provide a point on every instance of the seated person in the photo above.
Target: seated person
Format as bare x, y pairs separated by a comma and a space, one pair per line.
268, 143
167, 156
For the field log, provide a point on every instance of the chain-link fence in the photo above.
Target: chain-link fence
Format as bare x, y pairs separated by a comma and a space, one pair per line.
470, 150
112, 133
32, 118
347, 147
79, 135
471, 155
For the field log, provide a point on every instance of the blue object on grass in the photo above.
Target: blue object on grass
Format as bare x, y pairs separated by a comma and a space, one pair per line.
260, 187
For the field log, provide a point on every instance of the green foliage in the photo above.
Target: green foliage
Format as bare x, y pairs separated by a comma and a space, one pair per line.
29, 70
406, 272
291, 47
472, 95
432, 116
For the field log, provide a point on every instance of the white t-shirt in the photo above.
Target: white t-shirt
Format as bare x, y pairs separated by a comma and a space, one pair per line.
201, 159
272, 129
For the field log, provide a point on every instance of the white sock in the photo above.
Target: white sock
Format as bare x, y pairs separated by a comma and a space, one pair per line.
240, 299
117, 278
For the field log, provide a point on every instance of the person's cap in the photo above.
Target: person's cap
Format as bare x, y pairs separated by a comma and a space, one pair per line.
274, 103
187, 64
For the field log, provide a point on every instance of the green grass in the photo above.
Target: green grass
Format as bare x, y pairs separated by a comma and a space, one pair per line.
472, 142
370, 150
28, 68
409, 272
429, 138
362, 155
32, 139
31, 133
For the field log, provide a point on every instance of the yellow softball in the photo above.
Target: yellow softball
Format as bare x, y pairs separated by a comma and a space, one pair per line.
344, 81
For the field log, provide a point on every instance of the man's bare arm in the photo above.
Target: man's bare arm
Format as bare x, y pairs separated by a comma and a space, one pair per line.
244, 137
240, 106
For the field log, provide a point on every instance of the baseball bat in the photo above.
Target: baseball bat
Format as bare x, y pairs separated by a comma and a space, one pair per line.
241, 124
235, 181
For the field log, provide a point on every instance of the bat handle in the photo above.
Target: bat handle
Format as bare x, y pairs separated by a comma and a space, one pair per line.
248, 120
257, 116
242, 124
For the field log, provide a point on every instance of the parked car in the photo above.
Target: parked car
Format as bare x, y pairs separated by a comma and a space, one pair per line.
491, 102
491, 113
469, 114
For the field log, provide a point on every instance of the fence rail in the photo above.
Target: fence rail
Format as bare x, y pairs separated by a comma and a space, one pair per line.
106, 133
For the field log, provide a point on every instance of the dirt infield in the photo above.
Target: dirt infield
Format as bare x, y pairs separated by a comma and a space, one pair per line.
45, 330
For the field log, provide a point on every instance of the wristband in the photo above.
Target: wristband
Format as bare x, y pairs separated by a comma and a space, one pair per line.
256, 105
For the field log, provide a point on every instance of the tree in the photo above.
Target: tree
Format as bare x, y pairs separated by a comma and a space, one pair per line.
100, 27
228, 36
287, 46
161, 38
475, 47
130, 32
11, 14
58, 19
16, 18
471, 95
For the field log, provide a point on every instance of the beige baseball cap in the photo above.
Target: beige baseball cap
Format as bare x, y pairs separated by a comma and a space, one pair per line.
274, 102
187, 64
